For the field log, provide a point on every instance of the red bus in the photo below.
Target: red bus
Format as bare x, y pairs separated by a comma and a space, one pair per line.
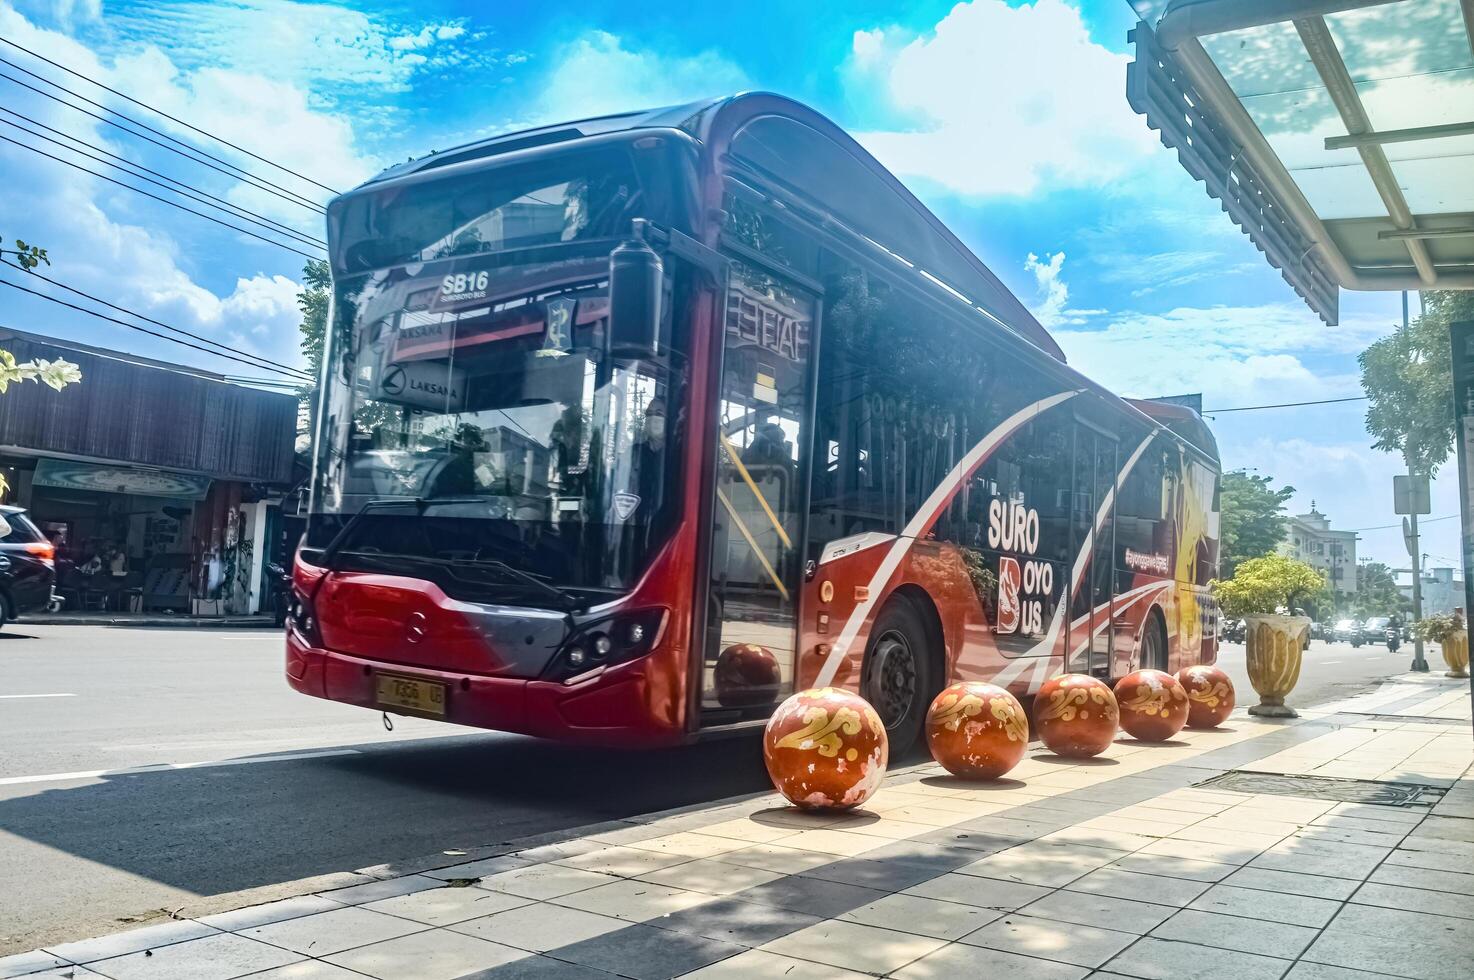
632, 426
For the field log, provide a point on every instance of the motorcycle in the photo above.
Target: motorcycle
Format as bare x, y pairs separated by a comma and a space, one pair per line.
280, 592
1234, 630
1394, 639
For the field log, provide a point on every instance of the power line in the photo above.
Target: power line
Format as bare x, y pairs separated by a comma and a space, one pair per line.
1260, 408
291, 197
151, 333
186, 190
265, 361
165, 115
162, 200
1421, 521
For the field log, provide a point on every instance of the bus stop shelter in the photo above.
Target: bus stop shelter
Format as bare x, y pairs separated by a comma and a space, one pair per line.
1338, 134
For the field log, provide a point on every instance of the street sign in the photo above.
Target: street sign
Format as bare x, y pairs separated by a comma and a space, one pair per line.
1410, 495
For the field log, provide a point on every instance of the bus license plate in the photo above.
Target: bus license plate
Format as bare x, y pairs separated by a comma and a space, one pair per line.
424, 697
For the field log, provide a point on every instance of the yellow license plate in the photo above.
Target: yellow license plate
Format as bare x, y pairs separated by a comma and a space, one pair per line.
408, 694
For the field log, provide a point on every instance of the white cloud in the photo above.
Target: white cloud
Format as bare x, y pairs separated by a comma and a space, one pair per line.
599, 75
1001, 100
1052, 308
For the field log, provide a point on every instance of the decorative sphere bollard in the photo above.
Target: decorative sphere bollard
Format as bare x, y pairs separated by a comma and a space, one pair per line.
746, 674
825, 749
1075, 716
977, 731
1153, 705
1209, 695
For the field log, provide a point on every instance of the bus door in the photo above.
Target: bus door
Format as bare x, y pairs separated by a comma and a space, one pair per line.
764, 402
1092, 607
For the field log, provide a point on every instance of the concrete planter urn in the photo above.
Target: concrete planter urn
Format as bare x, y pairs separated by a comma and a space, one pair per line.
1274, 647
1455, 647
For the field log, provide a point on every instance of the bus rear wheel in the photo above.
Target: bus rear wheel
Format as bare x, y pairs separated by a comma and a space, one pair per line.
1153, 644
899, 673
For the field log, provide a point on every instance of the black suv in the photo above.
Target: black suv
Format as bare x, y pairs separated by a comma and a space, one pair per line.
27, 565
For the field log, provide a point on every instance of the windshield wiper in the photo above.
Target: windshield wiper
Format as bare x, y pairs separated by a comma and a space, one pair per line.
514, 577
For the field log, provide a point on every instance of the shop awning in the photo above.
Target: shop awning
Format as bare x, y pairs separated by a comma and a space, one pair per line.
1338, 134
69, 475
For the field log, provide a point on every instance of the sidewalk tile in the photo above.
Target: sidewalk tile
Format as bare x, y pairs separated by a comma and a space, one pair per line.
962, 960
734, 921
132, 941
984, 893
922, 916
1067, 943
437, 955
539, 928
481, 868
852, 946
1298, 910
446, 906
536, 968
260, 915
775, 857
559, 851
1440, 881
688, 844
1408, 944
374, 890
757, 963
710, 877
1234, 932
544, 881
308, 970
32, 962
812, 896
1350, 835
647, 953
837, 843
218, 957
977, 841
1322, 858
1168, 866
1414, 900
889, 876
633, 900
1117, 840
1100, 911
332, 932
1039, 863
66, 973
937, 858
1162, 959
1290, 883
626, 862
1157, 889
749, 831
1193, 850
1320, 971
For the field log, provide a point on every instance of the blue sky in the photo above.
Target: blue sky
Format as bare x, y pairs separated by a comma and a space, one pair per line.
1008, 119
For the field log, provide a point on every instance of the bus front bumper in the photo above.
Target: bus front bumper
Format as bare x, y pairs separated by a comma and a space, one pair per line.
611, 711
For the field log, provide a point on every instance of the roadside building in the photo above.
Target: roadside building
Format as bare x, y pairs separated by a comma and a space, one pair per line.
179, 471
1443, 589
1310, 538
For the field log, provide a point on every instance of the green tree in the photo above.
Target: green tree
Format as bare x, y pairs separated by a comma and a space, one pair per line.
312, 300
1267, 584
1252, 522
55, 374
1409, 384
1377, 593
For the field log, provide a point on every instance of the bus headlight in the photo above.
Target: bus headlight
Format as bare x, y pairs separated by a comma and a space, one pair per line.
606, 642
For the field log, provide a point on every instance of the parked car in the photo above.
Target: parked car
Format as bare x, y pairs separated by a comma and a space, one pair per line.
1346, 631
27, 565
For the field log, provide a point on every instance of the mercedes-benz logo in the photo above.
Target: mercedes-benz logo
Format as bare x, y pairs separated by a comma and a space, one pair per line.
415, 628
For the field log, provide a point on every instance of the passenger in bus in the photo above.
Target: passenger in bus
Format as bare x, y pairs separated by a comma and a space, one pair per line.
650, 455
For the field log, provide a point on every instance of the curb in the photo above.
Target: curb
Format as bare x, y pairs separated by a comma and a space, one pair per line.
157, 622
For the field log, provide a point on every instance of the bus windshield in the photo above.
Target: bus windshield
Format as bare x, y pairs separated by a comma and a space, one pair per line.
468, 373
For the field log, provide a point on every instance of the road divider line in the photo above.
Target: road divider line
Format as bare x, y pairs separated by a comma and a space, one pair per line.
7, 697
60, 777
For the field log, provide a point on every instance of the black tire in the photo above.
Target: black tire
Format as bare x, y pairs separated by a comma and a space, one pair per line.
1153, 645
899, 674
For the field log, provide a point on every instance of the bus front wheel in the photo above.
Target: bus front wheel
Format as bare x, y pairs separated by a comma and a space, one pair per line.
899, 673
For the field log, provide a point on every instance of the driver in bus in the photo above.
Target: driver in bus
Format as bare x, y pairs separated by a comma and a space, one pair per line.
650, 454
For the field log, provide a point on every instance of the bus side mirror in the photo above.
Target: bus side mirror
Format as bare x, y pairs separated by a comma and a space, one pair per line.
636, 286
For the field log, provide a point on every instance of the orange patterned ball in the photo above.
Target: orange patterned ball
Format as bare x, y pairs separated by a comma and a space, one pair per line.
1209, 695
825, 749
977, 731
746, 674
1153, 705
1075, 716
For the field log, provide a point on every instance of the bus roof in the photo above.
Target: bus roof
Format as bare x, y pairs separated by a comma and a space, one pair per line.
884, 211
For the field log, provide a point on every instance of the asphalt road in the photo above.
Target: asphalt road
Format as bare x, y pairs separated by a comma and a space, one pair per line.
256, 785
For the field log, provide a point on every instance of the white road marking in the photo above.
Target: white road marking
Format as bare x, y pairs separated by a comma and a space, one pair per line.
1331, 663
4, 697
57, 777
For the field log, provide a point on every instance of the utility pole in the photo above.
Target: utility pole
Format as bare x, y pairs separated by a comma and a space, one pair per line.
1419, 664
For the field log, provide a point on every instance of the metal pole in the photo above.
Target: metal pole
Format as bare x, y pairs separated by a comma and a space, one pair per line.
1419, 664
